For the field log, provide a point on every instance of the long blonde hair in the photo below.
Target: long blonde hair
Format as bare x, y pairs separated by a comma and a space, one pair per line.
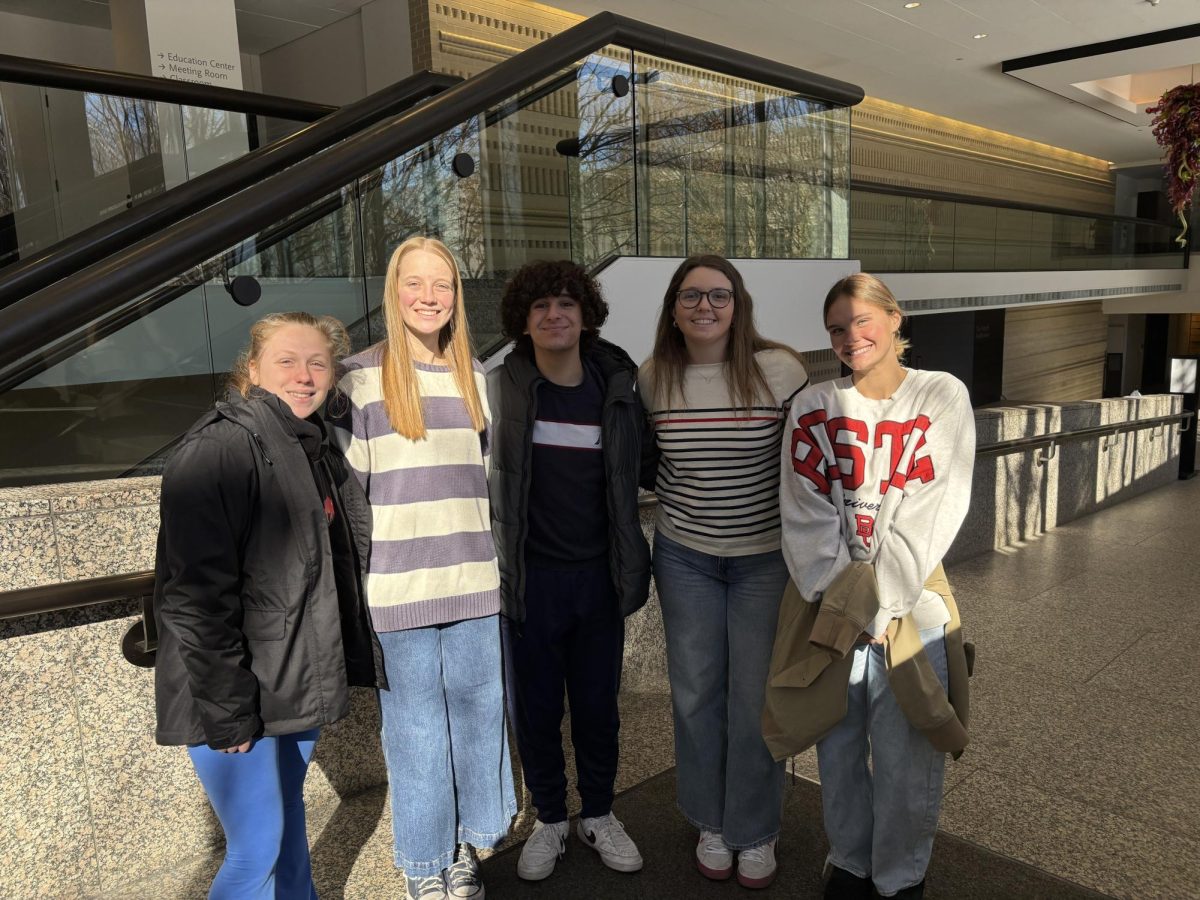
261, 331
401, 390
742, 373
862, 286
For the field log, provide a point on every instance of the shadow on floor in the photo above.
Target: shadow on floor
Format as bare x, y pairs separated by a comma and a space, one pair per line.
959, 870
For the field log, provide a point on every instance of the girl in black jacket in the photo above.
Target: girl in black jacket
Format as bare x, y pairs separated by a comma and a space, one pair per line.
259, 602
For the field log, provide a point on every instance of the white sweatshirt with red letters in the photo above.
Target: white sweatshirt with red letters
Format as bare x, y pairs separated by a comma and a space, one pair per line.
881, 481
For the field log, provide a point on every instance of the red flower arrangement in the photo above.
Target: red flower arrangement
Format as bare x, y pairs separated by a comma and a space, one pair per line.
1176, 125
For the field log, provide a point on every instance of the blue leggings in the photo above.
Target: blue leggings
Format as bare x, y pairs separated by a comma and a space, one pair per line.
259, 798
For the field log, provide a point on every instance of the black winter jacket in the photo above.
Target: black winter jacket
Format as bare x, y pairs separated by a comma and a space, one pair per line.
630, 459
261, 625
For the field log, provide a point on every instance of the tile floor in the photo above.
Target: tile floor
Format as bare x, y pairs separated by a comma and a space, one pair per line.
1084, 759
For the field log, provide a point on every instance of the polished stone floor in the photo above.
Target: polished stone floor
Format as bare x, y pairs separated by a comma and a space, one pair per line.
1084, 764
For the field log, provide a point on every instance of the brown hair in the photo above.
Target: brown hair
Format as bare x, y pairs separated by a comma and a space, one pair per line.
743, 375
401, 392
261, 331
869, 288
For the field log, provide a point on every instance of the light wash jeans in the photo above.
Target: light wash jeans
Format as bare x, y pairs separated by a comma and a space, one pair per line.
259, 798
719, 614
444, 742
881, 820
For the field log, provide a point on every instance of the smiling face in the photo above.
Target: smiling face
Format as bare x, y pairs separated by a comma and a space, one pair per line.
425, 290
862, 334
296, 365
704, 327
555, 323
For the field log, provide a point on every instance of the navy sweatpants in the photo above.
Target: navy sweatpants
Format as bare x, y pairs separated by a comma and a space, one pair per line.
573, 635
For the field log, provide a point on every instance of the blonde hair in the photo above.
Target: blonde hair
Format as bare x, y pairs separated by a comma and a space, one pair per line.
401, 390
869, 288
261, 331
743, 375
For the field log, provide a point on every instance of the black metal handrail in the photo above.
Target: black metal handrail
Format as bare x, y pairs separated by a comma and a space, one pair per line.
93, 244
42, 73
74, 594
71, 303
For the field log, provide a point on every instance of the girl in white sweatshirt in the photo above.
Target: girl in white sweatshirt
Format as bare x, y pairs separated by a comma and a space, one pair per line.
877, 468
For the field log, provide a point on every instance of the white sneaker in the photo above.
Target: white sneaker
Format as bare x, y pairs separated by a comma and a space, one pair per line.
607, 837
757, 867
542, 850
713, 858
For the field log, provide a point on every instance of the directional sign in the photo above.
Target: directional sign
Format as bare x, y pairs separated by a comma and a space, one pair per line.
191, 41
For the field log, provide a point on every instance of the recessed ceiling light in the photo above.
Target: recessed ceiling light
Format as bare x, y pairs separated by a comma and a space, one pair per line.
913, 5
981, 36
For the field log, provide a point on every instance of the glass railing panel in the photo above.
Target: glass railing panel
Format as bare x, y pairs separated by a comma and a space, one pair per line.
118, 405
728, 166
1041, 241
928, 234
974, 238
70, 159
949, 236
30, 214
793, 200
102, 411
1013, 248
600, 159
878, 231
561, 146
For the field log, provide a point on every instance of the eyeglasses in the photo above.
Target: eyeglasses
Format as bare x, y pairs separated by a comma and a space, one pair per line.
718, 298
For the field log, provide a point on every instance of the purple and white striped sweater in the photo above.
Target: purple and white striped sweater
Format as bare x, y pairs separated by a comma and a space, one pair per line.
432, 557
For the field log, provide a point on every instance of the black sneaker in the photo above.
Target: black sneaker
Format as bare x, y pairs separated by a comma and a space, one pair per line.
462, 878
843, 885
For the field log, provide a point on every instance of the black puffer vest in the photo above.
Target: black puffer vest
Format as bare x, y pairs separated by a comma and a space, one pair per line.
630, 459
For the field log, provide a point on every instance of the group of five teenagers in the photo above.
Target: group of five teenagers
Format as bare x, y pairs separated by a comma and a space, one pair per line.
878, 468
417, 435
260, 606
718, 392
571, 445
278, 587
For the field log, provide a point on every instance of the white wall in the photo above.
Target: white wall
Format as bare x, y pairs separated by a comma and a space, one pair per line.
788, 295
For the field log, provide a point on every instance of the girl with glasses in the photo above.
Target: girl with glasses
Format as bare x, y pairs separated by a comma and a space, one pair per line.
718, 392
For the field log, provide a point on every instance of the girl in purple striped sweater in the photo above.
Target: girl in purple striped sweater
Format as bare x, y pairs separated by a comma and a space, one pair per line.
416, 433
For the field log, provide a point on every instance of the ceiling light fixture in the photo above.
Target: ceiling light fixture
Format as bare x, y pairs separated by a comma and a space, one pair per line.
913, 5
981, 36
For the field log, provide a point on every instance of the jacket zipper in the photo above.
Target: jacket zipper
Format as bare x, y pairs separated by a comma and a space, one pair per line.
258, 440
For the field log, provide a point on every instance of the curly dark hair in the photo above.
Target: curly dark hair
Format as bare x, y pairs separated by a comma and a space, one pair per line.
547, 278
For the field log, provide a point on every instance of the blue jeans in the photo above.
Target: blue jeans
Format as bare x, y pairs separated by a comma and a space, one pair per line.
444, 741
881, 820
719, 614
259, 798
